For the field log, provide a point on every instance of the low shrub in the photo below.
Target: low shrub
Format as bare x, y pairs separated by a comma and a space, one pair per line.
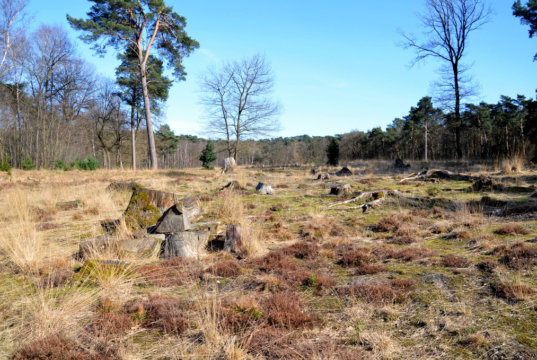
283, 310
225, 268
302, 250
164, 313
60, 165
511, 229
386, 224
88, 163
520, 256
455, 261
173, 272
513, 292
27, 164
405, 254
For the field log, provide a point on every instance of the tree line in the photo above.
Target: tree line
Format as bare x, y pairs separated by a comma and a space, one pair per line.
55, 109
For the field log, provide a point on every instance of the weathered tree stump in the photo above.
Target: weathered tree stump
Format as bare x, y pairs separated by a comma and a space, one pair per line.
345, 171
228, 165
191, 207
172, 221
188, 244
400, 164
341, 190
233, 241
232, 185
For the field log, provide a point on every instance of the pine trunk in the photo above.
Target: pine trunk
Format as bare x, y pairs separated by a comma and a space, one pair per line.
150, 135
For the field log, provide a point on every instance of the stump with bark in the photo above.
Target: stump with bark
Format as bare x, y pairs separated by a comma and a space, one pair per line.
233, 241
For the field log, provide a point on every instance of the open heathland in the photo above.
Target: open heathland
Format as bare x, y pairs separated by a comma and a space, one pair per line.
397, 266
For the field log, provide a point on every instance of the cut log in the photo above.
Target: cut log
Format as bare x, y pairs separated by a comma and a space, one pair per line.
188, 244
366, 195
233, 242
172, 221
264, 189
341, 190
145, 246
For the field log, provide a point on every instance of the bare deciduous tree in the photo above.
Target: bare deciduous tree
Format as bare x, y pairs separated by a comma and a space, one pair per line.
448, 23
238, 101
11, 12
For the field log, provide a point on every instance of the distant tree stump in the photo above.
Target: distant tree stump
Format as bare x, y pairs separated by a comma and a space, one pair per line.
341, 190
228, 164
233, 241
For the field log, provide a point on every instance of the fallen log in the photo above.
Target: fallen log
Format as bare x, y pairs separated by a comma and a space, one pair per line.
375, 194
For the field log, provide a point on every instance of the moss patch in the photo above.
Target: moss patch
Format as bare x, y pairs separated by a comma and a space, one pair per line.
140, 213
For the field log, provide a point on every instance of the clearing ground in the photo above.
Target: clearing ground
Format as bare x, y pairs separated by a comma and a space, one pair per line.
436, 267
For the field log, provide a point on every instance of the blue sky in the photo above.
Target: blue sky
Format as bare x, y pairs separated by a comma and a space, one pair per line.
337, 64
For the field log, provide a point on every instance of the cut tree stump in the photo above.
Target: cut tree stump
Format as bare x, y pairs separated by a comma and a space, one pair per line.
228, 164
233, 241
341, 189
191, 207
232, 185
345, 171
172, 221
188, 244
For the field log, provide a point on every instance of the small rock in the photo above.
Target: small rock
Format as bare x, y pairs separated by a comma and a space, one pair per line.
264, 189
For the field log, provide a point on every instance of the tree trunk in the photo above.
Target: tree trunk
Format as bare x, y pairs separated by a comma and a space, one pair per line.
426, 133
150, 135
522, 137
457, 111
233, 241
133, 139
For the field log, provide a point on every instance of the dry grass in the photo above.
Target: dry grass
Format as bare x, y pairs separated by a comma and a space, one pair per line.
339, 292
513, 291
21, 242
